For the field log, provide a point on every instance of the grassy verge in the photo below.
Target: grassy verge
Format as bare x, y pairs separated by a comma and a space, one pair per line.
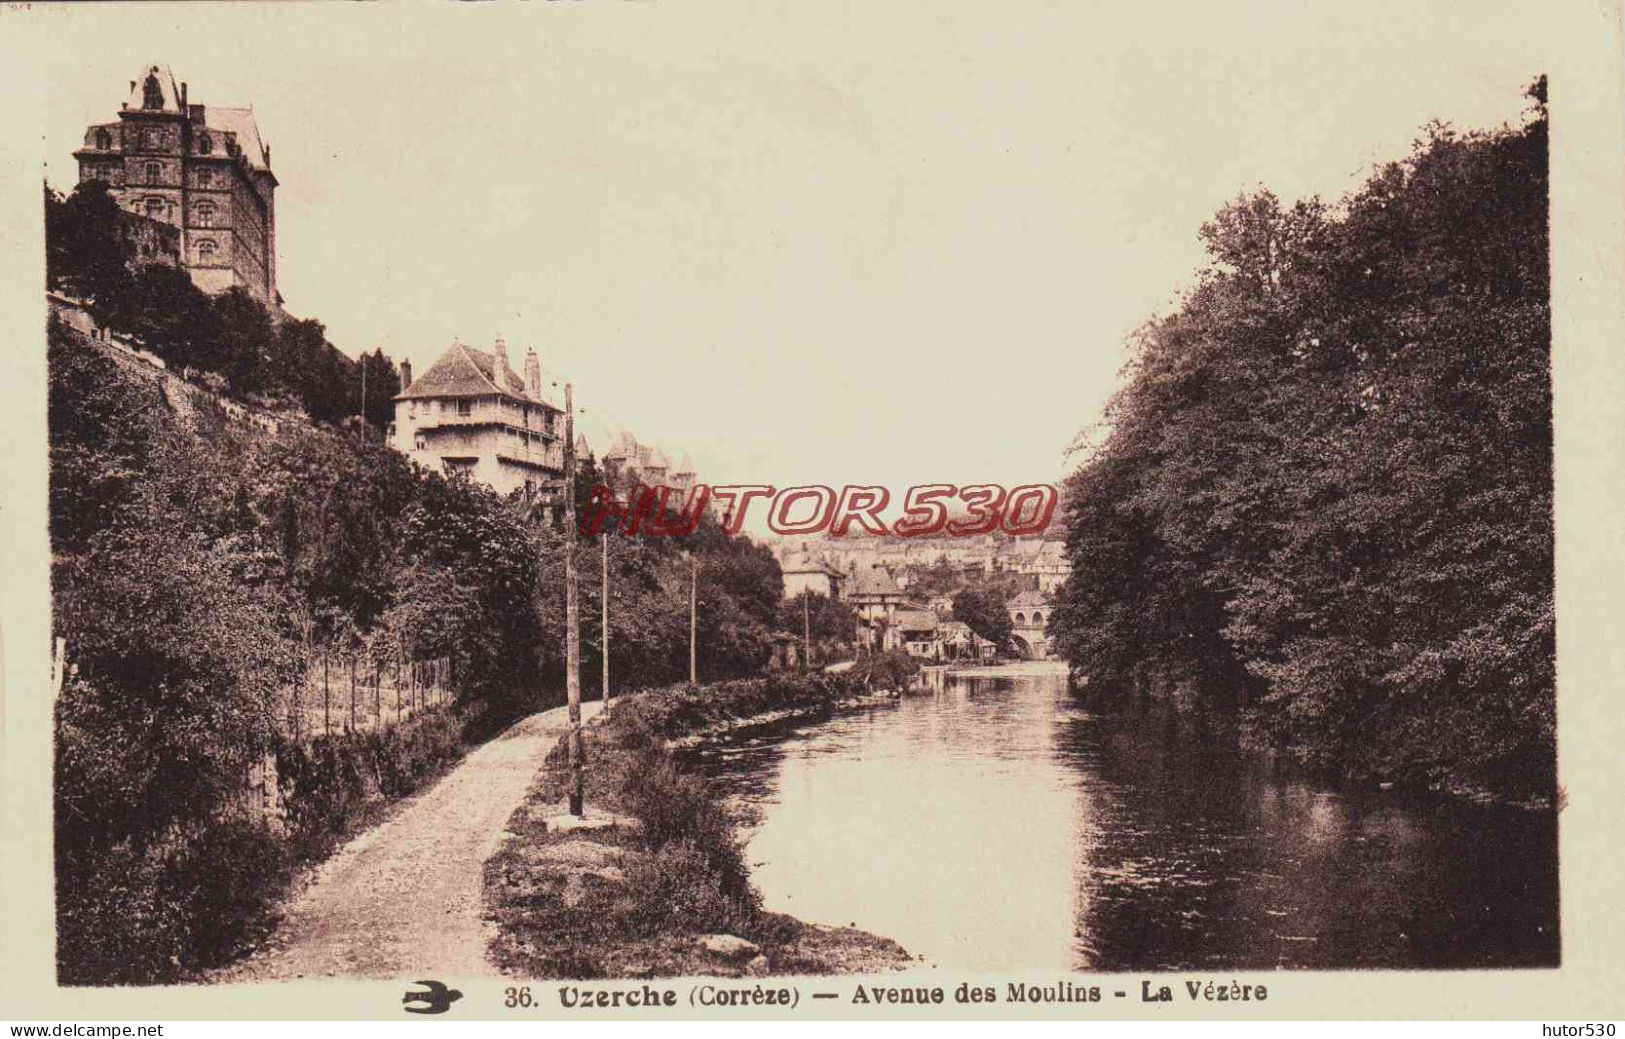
200, 896
667, 891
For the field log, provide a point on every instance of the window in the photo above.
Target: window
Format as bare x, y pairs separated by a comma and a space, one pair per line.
205, 144
205, 212
104, 140
1021, 618
206, 251
150, 140
154, 172
155, 208
205, 177
465, 407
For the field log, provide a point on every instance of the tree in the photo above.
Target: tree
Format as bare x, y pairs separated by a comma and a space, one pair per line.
1323, 501
984, 615
828, 620
86, 255
376, 383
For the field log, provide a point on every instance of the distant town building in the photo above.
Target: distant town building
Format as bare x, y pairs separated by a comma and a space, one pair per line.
1043, 562
804, 572
876, 599
629, 464
917, 633
470, 414
961, 643
203, 171
1029, 612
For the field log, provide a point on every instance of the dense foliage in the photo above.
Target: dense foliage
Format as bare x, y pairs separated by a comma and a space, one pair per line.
202, 562
1324, 502
983, 612
230, 337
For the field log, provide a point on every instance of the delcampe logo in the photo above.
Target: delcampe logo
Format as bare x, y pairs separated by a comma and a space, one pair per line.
435, 997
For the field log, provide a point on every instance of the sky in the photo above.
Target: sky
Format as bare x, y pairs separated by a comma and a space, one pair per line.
810, 243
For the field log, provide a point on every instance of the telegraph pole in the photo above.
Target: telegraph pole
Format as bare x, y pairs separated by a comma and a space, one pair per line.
572, 612
806, 633
693, 617
603, 605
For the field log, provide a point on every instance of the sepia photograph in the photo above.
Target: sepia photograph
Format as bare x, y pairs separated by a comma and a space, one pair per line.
1036, 505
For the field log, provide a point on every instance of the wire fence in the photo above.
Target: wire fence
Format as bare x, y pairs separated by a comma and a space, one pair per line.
357, 693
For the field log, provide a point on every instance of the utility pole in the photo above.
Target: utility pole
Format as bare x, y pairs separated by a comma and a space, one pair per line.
806, 633
603, 606
693, 617
572, 612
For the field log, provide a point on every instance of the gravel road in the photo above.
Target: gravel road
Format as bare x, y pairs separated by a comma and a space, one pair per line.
403, 900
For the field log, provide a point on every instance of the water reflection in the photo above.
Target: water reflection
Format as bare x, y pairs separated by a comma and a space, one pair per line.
990, 823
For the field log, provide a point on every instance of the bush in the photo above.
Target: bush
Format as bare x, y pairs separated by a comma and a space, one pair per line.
163, 911
681, 891
891, 670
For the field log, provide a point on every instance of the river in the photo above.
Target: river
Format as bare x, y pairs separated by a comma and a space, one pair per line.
992, 823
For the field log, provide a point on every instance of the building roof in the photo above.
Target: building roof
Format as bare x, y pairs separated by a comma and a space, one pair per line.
166, 87
1029, 598
239, 122
686, 466
221, 119
915, 620
463, 371
625, 445
873, 581
803, 563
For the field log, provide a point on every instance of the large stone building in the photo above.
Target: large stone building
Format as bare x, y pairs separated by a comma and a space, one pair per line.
202, 170
470, 414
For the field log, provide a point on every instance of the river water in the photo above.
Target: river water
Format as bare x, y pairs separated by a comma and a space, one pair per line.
991, 823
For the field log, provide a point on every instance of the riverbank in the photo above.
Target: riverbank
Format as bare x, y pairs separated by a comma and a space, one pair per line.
655, 884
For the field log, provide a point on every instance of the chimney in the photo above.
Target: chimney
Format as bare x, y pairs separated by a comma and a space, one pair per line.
182, 105
500, 375
533, 373
406, 375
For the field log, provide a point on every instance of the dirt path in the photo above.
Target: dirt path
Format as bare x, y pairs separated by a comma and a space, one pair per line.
404, 898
